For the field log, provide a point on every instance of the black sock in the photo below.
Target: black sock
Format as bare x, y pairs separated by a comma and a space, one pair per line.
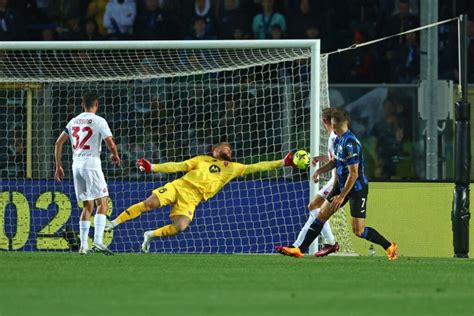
372, 235
313, 232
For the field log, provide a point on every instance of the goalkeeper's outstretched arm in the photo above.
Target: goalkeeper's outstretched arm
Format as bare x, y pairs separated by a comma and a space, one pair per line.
270, 165
167, 167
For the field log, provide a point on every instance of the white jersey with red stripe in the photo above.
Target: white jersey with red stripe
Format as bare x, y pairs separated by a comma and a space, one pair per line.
86, 132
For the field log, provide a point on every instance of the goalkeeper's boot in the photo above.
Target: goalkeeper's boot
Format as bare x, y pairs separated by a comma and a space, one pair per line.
327, 249
101, 248
290, 251
392, 253
83, 251
147, 237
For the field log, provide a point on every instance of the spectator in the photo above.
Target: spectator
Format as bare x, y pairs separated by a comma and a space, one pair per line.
238, 34
312, 32
199, 31
407, 63
361, 62
72, 31
49, 35
91, 31
402, 21
302, 18
277, 33
388, 136
263, 22
60, 11
11, 24
119, 18
96, 11
154, 23
202, 10
232, 19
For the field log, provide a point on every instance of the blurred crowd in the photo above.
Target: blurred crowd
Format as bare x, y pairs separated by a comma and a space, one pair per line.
183, 122
338, 23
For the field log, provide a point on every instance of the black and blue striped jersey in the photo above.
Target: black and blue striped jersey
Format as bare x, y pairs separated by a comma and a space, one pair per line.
348, 151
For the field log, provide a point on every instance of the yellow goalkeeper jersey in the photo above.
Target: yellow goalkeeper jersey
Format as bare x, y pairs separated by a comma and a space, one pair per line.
209, 175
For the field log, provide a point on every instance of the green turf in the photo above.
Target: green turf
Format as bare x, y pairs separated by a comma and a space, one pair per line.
132, 284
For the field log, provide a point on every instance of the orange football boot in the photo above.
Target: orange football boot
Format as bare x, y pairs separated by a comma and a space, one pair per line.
290, 251
391, 252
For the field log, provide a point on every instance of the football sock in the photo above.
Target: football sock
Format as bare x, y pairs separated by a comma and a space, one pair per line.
84, 233
130, 213
99, 225
168, 230
302, 234
313, 231
327, 234
372, 235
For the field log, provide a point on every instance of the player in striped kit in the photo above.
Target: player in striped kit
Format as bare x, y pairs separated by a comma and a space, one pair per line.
318, 200
86, 132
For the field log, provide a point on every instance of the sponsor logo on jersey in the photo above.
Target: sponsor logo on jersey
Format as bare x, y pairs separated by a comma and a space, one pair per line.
104, 190
214, 169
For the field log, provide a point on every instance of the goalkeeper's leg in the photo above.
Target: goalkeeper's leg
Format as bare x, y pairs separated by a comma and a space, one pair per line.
134, 211
179, 224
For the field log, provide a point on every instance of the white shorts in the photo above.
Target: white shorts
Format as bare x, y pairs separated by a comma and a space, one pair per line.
89, 184
326, 189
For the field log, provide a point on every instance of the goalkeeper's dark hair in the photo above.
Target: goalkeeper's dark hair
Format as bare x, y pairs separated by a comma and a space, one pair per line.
88, 99
340, 116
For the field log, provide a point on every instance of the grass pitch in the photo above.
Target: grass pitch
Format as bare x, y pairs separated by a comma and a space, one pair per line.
188, 284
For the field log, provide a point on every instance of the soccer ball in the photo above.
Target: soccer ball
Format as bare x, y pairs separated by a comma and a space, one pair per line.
302, 159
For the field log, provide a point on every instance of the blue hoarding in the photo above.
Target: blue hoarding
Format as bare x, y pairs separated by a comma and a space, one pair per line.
245, 217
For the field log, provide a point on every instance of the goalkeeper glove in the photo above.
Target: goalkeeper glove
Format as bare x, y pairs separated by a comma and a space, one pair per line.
144, 165
288, 160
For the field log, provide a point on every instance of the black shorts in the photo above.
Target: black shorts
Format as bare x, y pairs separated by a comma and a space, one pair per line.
357, 200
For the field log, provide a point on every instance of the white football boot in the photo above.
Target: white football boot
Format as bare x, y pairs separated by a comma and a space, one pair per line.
147, 237
101, 248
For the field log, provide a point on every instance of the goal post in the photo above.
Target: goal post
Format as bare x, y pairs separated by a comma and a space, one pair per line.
165, 100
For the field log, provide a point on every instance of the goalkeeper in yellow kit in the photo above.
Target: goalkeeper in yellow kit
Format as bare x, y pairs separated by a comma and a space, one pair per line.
205, 176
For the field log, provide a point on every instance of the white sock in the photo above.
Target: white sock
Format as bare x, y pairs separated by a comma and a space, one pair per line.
302, 234
99, 225
114, 223
84, 233
326, 231
327, 234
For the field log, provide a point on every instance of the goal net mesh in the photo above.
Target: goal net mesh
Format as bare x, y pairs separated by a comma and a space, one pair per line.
164, 105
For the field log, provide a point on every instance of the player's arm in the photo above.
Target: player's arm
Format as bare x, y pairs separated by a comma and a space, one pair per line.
269, 165
328, 166
109, 141
351, 179
58, 151
167, 167
263, 166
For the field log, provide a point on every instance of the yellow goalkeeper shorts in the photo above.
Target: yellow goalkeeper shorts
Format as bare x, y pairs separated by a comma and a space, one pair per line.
181, 196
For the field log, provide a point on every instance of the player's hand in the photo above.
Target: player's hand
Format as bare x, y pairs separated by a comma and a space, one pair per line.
288, 160
59, 173
316, 159
144, 165
336, 202
115, 159
315, 177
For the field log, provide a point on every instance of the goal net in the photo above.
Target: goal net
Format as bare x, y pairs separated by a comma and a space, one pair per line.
164, 101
